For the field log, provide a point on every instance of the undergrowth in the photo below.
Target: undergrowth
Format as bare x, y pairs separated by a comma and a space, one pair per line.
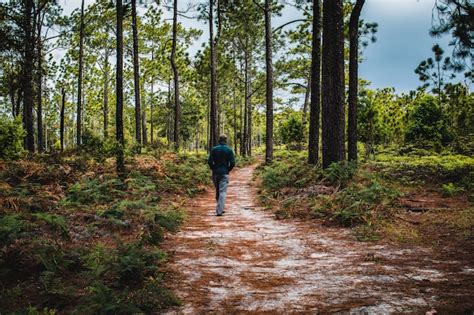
364, 198
77, 239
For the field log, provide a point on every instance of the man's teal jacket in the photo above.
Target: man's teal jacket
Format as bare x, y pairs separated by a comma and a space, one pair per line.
221, 159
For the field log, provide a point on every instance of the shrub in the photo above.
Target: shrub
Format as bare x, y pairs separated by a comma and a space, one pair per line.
339, 173
134, 262
449, 190
354, 204
93, 191
288, 169
292, 132
11, 138
97, 147
12, 226
57, 222
427, 125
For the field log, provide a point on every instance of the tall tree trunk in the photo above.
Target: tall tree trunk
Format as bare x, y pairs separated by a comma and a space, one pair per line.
152, 104
269, 83
136, 77
144, 129
61, 119
249, 110
106, 95
315, 82
39, 82
213, 112
307, 94
234, 107
246, 107
353, 79
119, 91
19, 99
79, 81
27, 77
333, 82
177, 108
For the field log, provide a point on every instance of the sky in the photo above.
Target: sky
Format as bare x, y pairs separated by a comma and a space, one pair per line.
403, 39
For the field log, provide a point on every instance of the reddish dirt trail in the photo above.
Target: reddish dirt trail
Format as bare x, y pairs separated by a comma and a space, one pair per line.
247, 262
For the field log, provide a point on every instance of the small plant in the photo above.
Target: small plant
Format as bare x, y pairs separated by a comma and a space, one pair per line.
94, 191
134, 263
12, 226
57, 222
11, 138
449, 190
340, 173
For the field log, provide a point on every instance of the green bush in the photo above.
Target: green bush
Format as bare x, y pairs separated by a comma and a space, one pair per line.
134, 262
57, 222
354, 204
11, 138
340, 173
288, 169
97, 147
449, 190
292, 132
427, 125
12, 226
94, 191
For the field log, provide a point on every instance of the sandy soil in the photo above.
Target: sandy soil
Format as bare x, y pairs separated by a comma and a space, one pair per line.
248, 262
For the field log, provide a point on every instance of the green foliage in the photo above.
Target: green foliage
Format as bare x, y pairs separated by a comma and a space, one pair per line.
11, 138
292, 131
170, 219
449, 189
288, 169
187, 174
354, 205
12, 226
96, 147
427, 124
444, 168
134, 262
58, 222
93, 191
340, 173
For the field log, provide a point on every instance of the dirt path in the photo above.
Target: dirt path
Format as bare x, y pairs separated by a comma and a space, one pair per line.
247, 262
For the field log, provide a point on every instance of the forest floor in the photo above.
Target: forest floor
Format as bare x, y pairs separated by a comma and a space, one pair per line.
248, 262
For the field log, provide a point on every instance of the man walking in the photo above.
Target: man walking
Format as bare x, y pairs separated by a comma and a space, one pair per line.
221, 161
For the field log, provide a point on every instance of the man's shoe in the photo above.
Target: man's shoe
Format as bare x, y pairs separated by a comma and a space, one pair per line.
219, 214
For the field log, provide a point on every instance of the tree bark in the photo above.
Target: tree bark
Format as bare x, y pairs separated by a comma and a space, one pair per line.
144, 129
39, 82
61, 119
315, 83
27, 77
106, 95
353, 79
177, 108
19, 99
246, 106
152, 104
307, 95
39, 78
213, 111
79, 81
249, 111
119, 91
333, 82
269, 83
136, 77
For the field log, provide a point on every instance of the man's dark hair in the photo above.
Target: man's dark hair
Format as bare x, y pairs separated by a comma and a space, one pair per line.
222, 138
